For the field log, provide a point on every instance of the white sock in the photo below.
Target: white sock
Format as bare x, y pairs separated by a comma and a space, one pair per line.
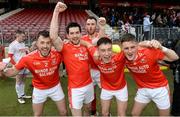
18, 90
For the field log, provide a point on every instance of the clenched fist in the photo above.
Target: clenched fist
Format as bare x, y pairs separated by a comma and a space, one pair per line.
102, 21
60, 7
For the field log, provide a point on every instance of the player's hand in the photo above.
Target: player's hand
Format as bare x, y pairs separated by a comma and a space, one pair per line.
102, 21
60, 7
152, 44
2, 66
155, 44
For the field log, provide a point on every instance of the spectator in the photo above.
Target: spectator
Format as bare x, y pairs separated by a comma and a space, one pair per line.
147, 27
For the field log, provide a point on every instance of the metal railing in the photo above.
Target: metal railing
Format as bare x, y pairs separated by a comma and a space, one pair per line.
7, 36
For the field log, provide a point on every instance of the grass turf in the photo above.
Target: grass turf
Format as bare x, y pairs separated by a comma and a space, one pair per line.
10, 107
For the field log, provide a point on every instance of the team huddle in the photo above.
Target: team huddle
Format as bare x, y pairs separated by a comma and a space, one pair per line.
90, 62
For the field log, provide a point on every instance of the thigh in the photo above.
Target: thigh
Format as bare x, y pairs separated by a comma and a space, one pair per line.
38, 109
61, 106
121, 107
105, 106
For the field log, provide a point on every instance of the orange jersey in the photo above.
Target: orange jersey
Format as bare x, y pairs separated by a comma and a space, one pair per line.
44, 69
76, 61
112, 74
145, 69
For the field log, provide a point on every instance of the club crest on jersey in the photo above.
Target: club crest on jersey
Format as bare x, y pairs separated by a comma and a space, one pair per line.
53, 62
143, 61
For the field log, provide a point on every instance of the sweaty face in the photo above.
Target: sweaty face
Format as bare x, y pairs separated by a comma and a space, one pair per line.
74, 35
105, 52
44, 45
91, 26
130, 50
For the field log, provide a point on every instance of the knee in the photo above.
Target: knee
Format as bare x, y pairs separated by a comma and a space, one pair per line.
134, 113
37, 114
105, 113
63, 112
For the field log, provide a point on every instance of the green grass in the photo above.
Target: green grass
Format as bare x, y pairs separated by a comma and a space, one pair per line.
10, 107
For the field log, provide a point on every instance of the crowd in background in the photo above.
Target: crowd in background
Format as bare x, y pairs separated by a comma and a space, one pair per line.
127, 15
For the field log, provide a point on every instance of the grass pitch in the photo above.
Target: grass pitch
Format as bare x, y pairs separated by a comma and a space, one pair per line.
10, 107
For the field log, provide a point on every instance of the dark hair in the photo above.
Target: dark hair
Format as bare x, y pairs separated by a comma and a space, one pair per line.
43, 33
71, 25
92, 18
128, 37
20, 32
104, 40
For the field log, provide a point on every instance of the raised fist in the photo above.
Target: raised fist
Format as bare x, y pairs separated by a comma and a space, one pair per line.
102, 21
60, 7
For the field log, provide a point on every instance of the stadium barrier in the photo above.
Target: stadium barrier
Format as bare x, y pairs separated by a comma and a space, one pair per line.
115, 33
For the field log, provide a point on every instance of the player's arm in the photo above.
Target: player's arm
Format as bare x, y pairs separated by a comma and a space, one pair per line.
101, 24
54, 26
7, 71
93, 51
12, 60
170, 55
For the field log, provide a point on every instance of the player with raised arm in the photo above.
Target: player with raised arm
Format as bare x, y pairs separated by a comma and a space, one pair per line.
76, 60
92, 37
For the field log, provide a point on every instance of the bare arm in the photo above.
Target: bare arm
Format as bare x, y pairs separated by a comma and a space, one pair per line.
170, 55
88, 45
7, 71
101, 24
56, 40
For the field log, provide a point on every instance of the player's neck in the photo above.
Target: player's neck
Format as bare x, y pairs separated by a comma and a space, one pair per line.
92, 36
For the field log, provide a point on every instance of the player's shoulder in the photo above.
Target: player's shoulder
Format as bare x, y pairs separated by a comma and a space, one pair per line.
31, 54
13, 43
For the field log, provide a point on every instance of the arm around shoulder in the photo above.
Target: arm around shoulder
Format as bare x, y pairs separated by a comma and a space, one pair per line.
170, 55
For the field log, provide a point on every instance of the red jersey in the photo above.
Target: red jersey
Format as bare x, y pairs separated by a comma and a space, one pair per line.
76, 60
112, 74
145, 69
44, 69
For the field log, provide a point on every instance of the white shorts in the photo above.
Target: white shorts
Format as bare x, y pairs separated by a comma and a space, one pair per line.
121, 95
78, 96
160, 96
55, 93
95, 75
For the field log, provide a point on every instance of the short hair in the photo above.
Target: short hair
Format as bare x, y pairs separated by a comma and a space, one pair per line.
20, 32
43, 33
128, 37
71, 25
92, 18
104, 40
